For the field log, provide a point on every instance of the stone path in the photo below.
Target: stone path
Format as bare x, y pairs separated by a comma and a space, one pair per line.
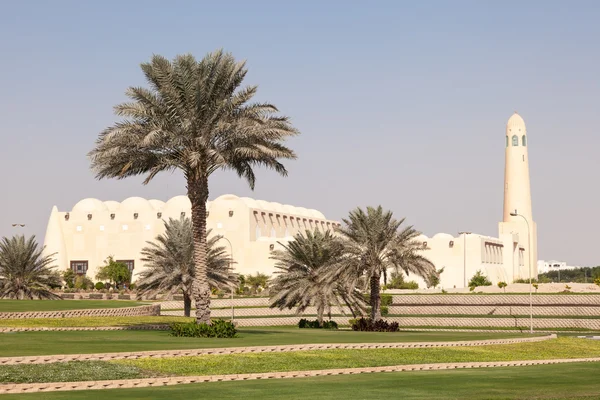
256, 349
179, 380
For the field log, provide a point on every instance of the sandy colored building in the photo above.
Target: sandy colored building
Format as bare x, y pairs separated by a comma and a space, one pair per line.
93, 230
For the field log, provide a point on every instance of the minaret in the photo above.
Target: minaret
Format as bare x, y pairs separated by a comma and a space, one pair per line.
517, 195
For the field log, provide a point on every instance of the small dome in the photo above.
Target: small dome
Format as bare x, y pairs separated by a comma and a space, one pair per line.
421, 238
250, 203
136, 204
316, 214
445, 236
112, 205
227, 197
157, 204
175, 206
263, 205
302, 212
278, 207
515, 124
289, 209
89, 205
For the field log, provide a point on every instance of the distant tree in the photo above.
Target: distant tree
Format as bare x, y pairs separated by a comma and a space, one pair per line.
114, 271
69, 276
433, 279
300, 280
25, 273
170, 267
502, 285
479, 279
597, 281
375, 245
257, 283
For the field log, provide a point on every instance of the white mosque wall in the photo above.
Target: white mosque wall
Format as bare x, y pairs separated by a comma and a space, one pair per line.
94, 230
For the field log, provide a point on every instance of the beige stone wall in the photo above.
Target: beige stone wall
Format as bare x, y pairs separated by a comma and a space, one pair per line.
497, 299
149, 310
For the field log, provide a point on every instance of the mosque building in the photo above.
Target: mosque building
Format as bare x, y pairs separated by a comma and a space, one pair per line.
81, 239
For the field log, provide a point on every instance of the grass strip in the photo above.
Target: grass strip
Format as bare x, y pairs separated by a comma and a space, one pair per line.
64, 305
89, 321
74, 371
330, 359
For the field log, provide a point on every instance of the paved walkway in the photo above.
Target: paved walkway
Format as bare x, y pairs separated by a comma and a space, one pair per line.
256, 349
179, 380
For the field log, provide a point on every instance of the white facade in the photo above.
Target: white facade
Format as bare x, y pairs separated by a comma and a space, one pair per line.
93, 230
553, 265
507, 257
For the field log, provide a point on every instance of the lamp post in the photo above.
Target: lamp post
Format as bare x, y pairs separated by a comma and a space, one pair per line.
464, 255
232, 286
516, 214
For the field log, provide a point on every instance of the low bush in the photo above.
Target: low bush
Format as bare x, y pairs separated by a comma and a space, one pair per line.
368, 325
99, 286
304, 323
386, 299
217, 329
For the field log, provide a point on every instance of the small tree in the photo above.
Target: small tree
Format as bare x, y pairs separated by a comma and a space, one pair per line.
68, 276
258, 282
502, 285
114, 272
433, 279
536, 286
479, 279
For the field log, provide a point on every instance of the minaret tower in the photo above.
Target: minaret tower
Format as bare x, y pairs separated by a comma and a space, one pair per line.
518, 218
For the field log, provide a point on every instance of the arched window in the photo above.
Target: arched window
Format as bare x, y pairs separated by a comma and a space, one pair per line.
257, 231
524, 140
273, 233
506, 141
515, 140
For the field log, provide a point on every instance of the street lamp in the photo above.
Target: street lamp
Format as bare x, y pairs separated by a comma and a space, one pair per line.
465, 255
516, 214
232, 286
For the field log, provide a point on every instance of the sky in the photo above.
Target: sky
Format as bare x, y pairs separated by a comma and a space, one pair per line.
401, 104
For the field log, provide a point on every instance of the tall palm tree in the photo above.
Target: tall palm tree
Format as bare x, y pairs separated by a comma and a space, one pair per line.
194, 118
170, 268
375, 243
300, 279
25, 273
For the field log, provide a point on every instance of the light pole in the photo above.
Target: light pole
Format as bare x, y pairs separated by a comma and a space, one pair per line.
464, 255
232, 286
516, 214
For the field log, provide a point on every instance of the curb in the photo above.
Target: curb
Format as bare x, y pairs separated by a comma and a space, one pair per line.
256, 349
180, 380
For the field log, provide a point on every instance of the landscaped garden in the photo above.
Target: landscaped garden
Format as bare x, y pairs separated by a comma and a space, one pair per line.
63, 305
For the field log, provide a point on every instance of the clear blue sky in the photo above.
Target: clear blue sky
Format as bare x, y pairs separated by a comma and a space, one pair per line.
400, 103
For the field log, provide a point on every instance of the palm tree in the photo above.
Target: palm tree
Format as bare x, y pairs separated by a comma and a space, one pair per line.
194, 118
300, 279
170, 265
25, 273
375, 243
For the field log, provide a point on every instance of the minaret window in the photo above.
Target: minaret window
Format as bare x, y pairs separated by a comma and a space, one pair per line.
524, 140
506, 141
515, 140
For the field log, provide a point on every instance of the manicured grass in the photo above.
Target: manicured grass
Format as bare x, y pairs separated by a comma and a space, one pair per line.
573, 381
78, 342
331, 359
89, 321
59, 305
296, 361
68, 372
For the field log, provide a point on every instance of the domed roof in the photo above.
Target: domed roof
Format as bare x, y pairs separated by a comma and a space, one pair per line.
250, 203
112, 205
515, 124
276, 207
157, 204
136, 204
179, 203
316, 214
90, 205
290, 209
263, 205
443, 236
421, 238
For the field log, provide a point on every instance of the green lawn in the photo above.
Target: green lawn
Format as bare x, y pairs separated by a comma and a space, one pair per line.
332, 359
295, 361
89, 321
75, 342
543, 382
59, 305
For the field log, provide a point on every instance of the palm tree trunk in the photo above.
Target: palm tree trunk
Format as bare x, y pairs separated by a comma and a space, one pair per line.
198, 194
320, 312
187, 304
375, 297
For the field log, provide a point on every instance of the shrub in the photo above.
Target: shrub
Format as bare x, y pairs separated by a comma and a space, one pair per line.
386, 299
502, 285
304, 323
536, 286
597, 281
409, 285
368, 325
533, 280
479, 279
99, 285
83, 282
217, 329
